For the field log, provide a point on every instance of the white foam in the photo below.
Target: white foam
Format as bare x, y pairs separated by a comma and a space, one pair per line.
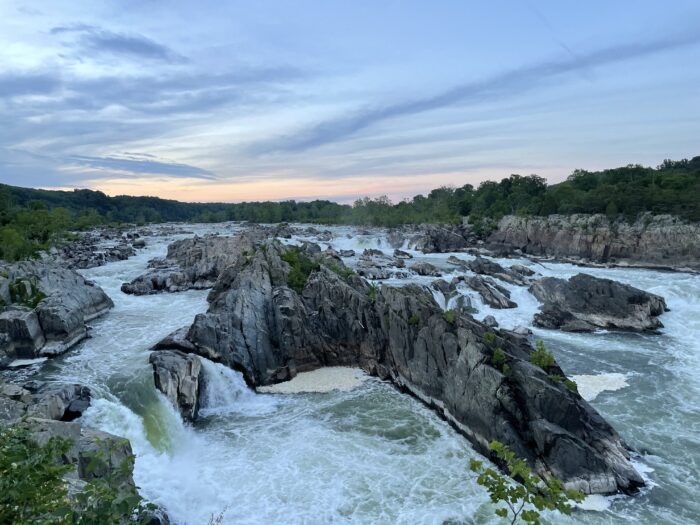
589, 386
322, 380
19, 363
595, 502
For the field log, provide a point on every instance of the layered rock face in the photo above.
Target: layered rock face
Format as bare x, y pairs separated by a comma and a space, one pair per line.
44, 308
195, 263
260, 326
660, 240
585, 303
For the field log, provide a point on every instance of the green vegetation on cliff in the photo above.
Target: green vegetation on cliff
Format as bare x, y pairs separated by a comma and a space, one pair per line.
31, 220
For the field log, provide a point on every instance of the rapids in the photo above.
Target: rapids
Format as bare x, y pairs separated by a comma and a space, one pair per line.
371, 454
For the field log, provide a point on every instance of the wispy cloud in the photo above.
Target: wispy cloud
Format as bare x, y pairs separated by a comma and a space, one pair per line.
140, 165
504, 84
94, 39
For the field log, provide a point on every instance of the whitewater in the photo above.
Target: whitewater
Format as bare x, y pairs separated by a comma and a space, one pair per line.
369, 454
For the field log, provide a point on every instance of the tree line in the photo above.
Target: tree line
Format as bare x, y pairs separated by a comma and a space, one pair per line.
32, 220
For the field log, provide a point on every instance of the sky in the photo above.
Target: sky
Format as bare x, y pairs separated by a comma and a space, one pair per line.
268, 100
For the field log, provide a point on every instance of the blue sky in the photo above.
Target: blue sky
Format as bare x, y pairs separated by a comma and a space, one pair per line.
231, 101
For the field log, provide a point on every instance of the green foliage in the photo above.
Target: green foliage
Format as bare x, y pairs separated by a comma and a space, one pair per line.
24, 291
302, 267
542, 357
414, 320
499, 358
490, 339
450, 316
33, 489
342, 271
526, 499
571, 385
372, 292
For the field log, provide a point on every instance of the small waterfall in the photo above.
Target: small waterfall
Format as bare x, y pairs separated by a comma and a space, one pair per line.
226, 392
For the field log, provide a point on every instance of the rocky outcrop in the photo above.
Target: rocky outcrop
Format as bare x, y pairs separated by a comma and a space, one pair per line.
193, 263
653, 241
433, 238
585, 303
425, 268
44, 309
179, 376
494, 295
257, 324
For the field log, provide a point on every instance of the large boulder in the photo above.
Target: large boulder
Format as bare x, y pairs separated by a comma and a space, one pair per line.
432, 238
585, 303
46, 308
493, 294
257, 324
179, 376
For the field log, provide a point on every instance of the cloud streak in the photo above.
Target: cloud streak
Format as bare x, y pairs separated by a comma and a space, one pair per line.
141, 165
504, 84
97, 40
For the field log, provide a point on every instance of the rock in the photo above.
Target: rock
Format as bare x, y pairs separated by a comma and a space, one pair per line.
522, 270
585, 303
400, 254
458, 262
482, 266
491, 293
395, 238
193, 263
179, 376
433, 238
490, 321
373, 271
139, 243
48, 308
373, 252
257, 324
347, 253
425, 268
654, 241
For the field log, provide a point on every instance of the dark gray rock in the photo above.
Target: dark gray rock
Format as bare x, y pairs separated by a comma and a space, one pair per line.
400, 254
347, 253
585, 303
258, 325
432, 238
483, 266
490, 321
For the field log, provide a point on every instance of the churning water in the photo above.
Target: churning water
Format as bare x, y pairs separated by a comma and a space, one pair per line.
373, 455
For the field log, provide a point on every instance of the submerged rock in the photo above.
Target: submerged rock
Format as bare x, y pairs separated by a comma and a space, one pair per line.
585, 303
257, 324
44, 308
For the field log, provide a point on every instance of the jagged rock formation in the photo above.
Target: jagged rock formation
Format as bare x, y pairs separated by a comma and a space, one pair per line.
260, 326
195, 262
653, 240
179, 376
493, 294
44, 308
432, 238
585, 303
425, 268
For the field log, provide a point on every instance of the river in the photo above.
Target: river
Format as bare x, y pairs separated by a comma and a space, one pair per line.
373, 455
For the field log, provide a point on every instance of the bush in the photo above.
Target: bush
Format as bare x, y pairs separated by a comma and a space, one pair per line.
342, 271
302, 267
525, 499
499, 358
541, 357
33, 489
414, 320
571, 385
372, 292
450, 316
490, 339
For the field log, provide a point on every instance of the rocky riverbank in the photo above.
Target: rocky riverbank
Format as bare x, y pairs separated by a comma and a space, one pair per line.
44, 309
479, 378
654, 241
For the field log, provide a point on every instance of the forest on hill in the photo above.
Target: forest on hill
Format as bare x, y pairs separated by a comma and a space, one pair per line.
32, 220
